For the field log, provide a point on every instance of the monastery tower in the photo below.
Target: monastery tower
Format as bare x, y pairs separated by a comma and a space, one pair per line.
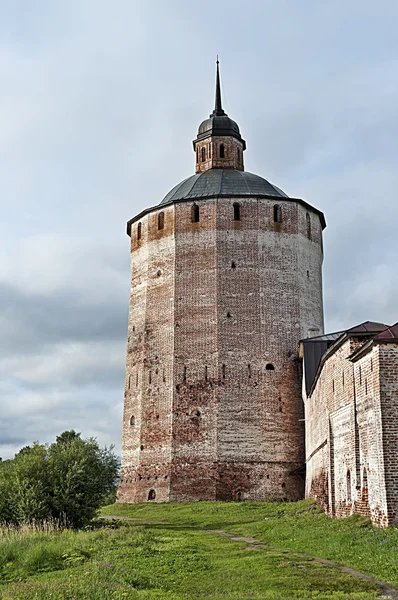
226, 279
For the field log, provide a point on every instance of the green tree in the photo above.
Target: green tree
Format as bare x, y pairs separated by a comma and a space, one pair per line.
31, 484
68, 480
82, 476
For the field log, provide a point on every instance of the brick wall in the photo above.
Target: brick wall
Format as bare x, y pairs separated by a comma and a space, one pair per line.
351, 433
208, 154
212, 304
388, 358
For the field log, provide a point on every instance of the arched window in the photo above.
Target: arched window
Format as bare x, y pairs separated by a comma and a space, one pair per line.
139, 231
161, 220
236, 211
269, 367
222, 151
132, 420
203, 154
348, 486
308, 220
233, 265
277, 214
195, 213
151, 495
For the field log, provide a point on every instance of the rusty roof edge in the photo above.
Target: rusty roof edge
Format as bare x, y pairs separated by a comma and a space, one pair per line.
146, 211
365, 349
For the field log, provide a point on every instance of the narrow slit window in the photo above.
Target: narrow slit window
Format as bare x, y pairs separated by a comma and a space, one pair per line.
249, 370
185, 374
238, 153
222, 151
132, 420
161, 220
233, 265
206, 373
308, 221
348, 486
236, 211
209, 150
136, 380
150, 376
203, 154
139, 231
223, 371
195, 213
277, 214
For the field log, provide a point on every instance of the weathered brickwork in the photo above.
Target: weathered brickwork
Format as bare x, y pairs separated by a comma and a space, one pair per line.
209, 154
352, 432
388, 357
212, 374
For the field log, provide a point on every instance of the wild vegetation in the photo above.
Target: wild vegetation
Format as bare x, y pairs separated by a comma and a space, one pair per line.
65, 482
168, 555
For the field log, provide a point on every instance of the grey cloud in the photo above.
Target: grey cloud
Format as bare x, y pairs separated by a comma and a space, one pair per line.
99, 108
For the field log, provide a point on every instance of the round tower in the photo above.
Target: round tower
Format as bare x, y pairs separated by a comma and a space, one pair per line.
226, 279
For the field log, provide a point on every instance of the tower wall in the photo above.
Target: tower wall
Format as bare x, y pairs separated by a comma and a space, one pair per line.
149, 385
232, 297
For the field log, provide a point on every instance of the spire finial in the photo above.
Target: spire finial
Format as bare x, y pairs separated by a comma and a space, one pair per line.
218, 110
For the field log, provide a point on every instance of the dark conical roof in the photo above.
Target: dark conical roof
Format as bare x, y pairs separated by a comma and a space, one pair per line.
222, 182
219, 123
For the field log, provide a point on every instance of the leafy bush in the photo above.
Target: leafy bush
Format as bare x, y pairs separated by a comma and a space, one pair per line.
66, 481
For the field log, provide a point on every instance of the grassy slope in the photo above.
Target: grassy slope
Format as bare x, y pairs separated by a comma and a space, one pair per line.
177, 562
352, 542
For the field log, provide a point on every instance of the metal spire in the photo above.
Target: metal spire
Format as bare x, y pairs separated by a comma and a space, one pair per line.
218, 110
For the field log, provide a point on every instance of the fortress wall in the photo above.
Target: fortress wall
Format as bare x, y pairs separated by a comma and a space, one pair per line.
330, 435
388, 357
350, 435
371, 498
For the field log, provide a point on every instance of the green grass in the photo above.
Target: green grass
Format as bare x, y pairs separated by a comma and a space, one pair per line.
301, 526
171, 559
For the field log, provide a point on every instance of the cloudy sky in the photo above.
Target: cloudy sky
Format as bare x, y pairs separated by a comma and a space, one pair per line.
100, 101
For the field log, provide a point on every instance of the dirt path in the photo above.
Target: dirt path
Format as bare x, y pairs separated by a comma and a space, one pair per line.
388, 591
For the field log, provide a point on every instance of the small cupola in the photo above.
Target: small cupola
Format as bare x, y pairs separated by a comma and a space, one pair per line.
219, 144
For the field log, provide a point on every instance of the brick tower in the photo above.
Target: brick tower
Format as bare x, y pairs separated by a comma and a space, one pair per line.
226, 279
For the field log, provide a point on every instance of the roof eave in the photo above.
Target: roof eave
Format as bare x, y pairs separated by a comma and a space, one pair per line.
267, 196
366, 348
